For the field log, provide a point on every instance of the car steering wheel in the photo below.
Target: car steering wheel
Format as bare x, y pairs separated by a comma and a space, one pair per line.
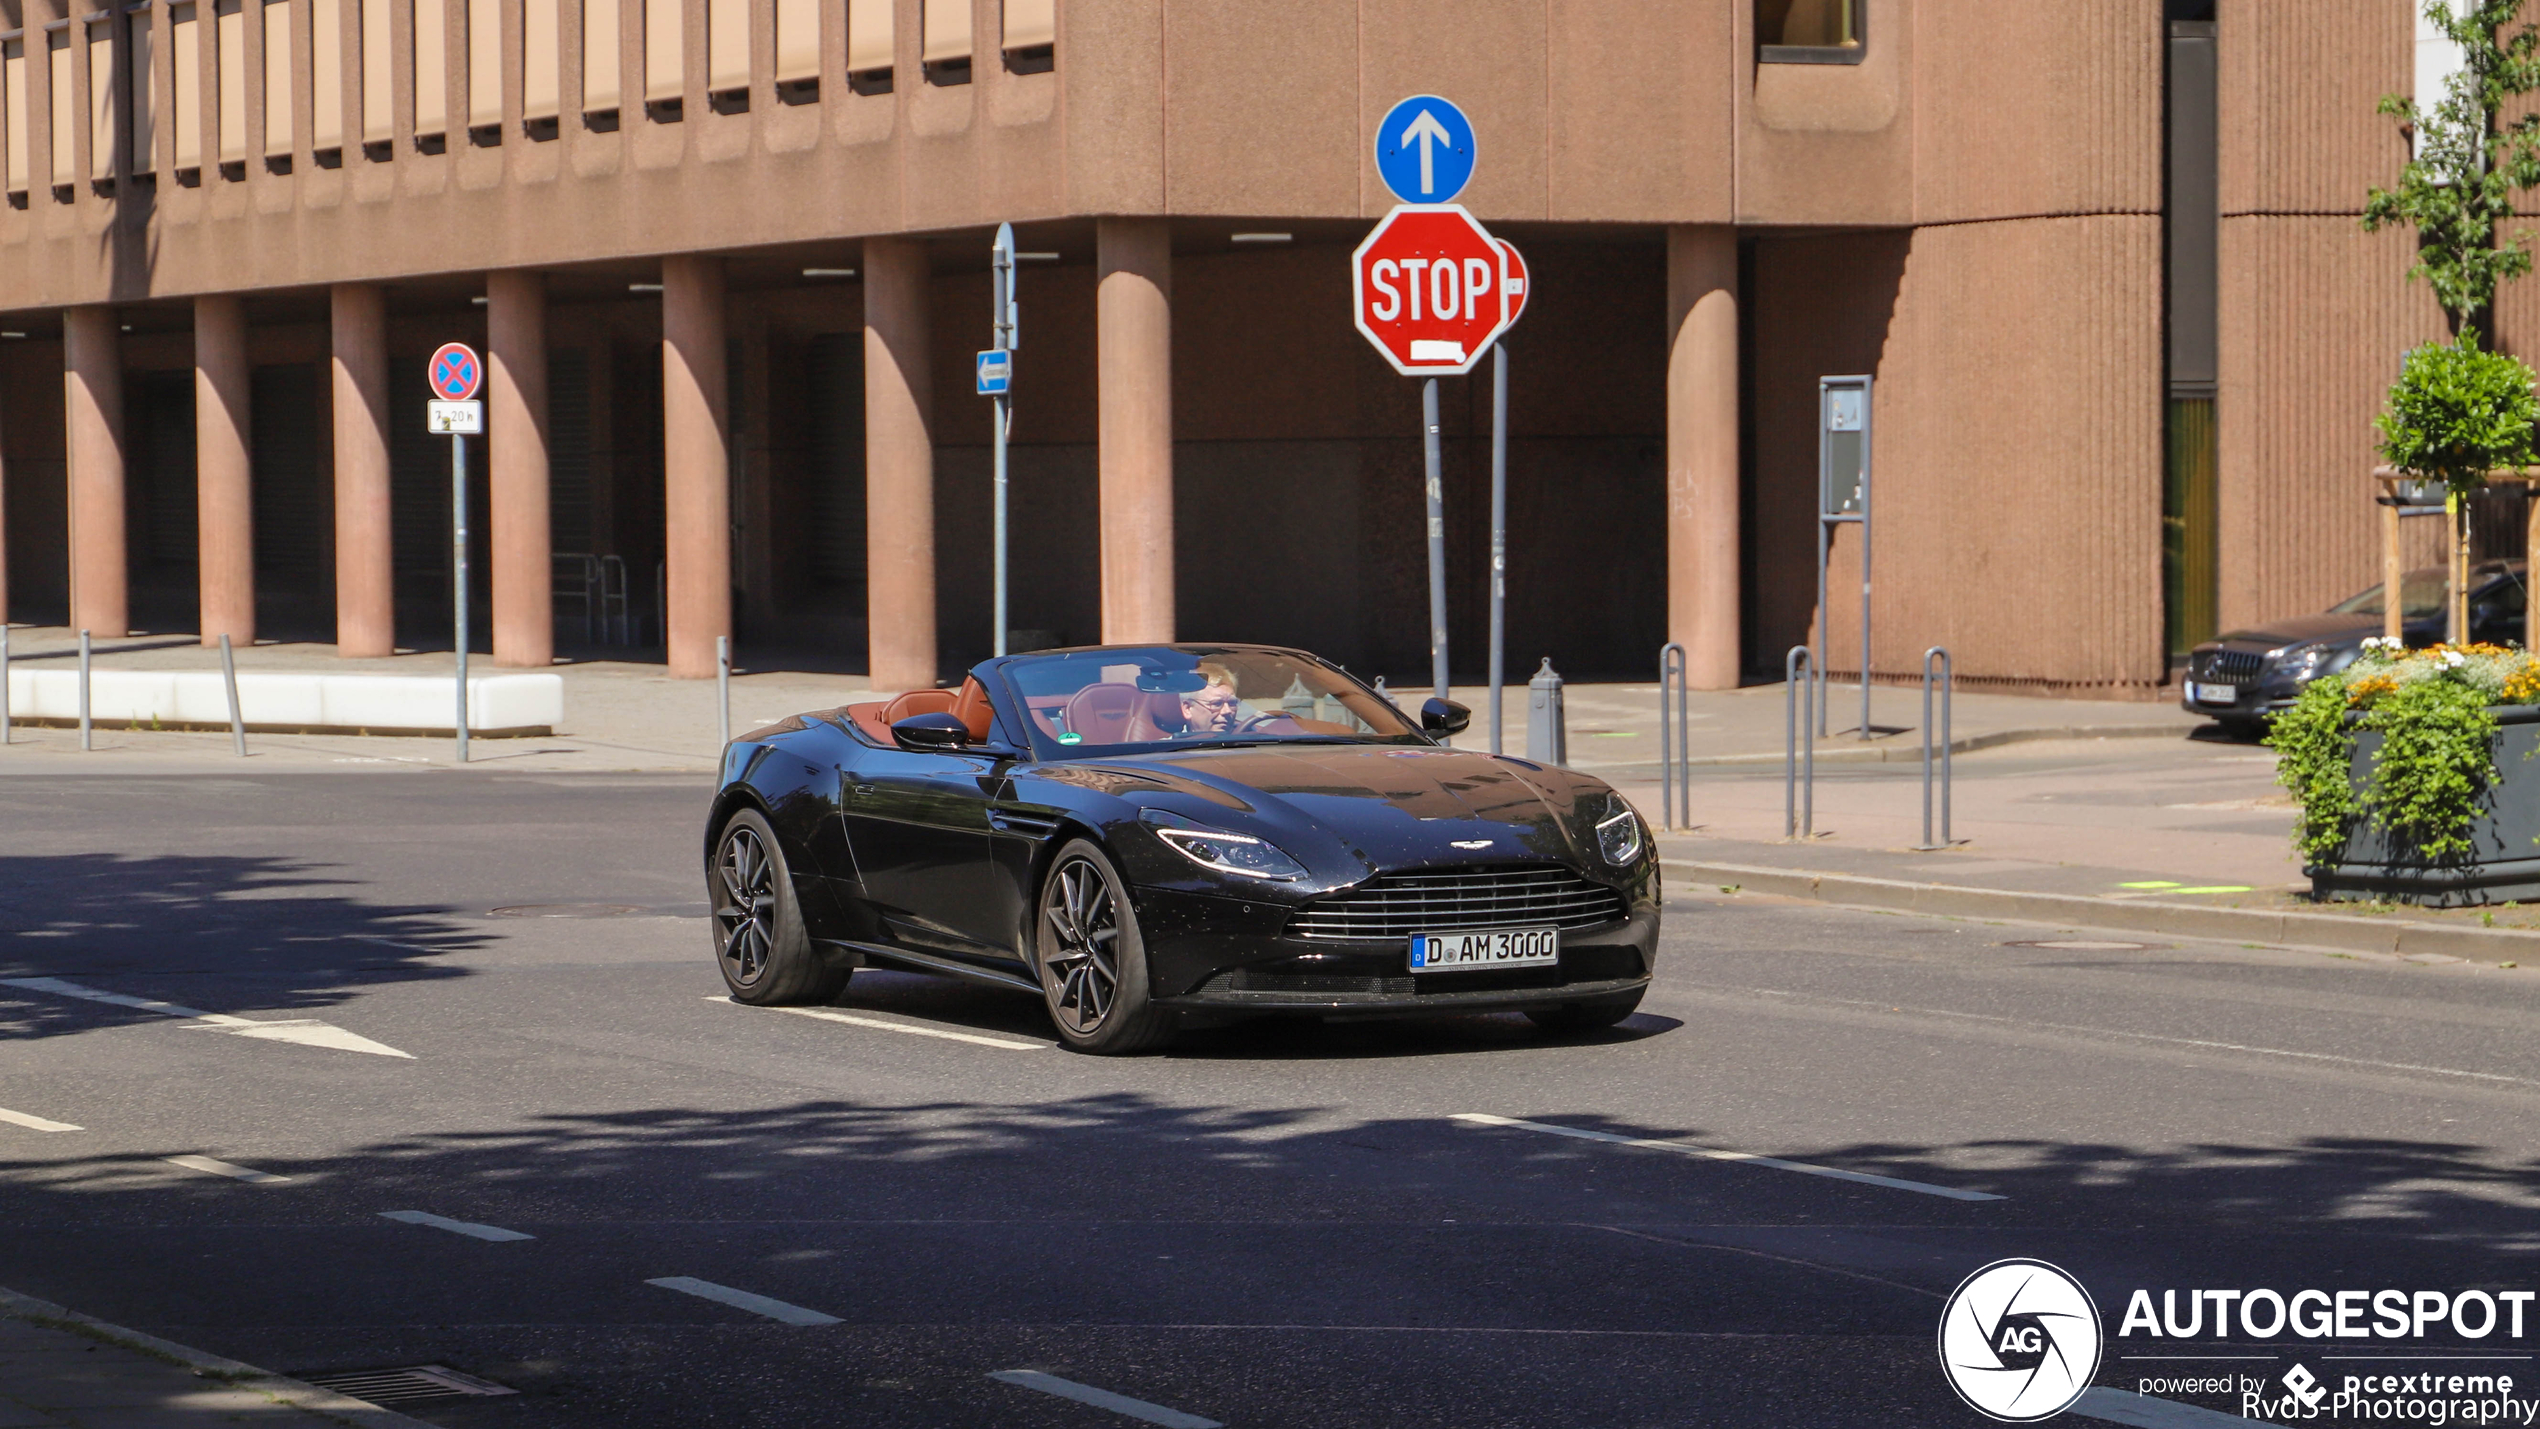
1259, 720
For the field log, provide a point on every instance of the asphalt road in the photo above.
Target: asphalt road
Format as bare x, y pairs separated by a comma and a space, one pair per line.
1282, 1224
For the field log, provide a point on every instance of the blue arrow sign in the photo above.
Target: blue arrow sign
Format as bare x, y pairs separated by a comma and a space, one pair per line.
996, 372
1424, 150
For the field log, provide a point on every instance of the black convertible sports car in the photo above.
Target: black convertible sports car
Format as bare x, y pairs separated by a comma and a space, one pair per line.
1152, 835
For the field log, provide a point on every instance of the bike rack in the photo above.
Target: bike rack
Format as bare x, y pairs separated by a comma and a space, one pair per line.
1948, 684
1799, 745
1674, 786
613, 616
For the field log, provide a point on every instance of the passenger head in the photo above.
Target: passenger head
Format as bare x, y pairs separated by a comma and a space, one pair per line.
1212, 709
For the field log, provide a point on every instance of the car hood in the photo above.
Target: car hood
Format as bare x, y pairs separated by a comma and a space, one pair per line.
2300, 629
1388, 804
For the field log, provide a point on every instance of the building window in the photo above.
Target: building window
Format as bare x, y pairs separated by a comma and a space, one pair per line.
1809, 32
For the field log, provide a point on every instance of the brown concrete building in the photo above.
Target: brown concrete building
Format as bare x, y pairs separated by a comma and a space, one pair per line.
730, 257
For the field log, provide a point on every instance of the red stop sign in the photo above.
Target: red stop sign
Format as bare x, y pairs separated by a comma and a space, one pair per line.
1430, 288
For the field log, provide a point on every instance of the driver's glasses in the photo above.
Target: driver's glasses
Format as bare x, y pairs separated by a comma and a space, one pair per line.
1214, 704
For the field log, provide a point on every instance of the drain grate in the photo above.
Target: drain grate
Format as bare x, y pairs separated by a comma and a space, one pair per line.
2084, 945
405, 1384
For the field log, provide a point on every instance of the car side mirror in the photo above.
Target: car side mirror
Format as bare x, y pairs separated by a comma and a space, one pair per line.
930, 733
1439, 716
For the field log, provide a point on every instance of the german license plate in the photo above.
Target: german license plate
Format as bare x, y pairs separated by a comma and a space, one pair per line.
1471, 952
2213, 694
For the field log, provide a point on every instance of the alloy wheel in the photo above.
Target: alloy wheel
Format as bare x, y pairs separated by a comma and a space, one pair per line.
1082, 970
746, 912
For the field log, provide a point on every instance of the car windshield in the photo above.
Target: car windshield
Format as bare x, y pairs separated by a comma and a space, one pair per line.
2420, 597
1109, 701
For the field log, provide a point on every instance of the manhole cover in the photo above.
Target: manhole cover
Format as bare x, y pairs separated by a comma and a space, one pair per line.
567, 910
2084, 945
405, 1384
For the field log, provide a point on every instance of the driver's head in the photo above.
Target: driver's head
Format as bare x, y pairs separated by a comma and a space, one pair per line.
1212, 709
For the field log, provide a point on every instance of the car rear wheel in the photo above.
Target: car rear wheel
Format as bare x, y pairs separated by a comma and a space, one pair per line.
1585, 1016
1093, 966
759, 940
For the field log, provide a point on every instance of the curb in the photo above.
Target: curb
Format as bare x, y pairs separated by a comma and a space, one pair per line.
2387, 937
1831, 752
298, 1395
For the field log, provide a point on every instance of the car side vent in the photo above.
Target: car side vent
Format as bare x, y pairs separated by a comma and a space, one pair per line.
1460, 900
1019, 821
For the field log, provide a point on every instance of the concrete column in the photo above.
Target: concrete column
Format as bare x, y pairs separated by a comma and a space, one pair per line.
899, 466
696, 462
1133, 320
516, 425
1702, 465
92, 360
365, 572
224, 474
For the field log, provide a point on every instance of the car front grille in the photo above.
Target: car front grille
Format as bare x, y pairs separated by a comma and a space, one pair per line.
1460, 900
2235, 666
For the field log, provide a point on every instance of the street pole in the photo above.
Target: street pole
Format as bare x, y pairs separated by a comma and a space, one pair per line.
1498, 532
1437, 539
1003, 326
458, 564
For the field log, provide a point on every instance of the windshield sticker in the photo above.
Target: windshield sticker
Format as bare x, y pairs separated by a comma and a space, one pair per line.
1071, 737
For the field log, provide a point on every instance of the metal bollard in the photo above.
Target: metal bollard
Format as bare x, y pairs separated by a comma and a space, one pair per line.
1547, 728
229, 681
1949, 683
1672, 785
84, 741
723, 688
1799, 744
4, 682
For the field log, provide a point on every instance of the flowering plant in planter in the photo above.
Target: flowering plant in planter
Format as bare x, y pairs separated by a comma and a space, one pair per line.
2435, 712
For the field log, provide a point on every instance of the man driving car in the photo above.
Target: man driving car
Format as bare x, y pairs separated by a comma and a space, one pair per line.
1212, 708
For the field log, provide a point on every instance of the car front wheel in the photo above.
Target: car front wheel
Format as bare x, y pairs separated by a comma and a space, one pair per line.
1093, 966
759, 941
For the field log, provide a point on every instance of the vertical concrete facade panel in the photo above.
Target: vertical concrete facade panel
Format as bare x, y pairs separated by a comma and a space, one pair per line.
92, 365
2316, 315
696, 462
1263, 102
2024, 110
899, 466
365, 585
516, 431
2295, 91
1489, 59
224, 502
1134, 321
1638, 110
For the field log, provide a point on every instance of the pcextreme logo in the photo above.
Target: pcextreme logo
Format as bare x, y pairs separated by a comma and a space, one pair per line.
2019, 1341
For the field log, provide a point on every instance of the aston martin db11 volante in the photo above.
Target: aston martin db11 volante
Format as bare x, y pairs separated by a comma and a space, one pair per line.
1149, 836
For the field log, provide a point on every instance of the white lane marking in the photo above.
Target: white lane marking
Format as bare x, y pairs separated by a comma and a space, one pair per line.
223, 1168
2155, 1037
744, 1300
1715, 1154
824, 1014
306, 1031
1120, 1404
466, 1228
35, 1123
2119, 1407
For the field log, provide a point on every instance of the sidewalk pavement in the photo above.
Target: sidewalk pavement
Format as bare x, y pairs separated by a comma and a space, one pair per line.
63, 1370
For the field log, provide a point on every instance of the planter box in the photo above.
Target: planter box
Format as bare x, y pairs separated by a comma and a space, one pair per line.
2504, 861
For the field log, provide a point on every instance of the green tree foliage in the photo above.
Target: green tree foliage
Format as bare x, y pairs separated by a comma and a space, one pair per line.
2457, 413
2460, 186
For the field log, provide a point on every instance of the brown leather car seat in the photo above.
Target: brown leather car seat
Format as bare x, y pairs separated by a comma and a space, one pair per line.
917, 702
1102, 713
1157, 716
972, 708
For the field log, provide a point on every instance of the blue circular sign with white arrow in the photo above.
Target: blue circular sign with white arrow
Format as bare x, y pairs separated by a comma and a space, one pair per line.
1424, 150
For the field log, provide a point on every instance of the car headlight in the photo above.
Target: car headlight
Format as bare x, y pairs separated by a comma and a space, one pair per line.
1618, 833
1239, 854
2303, 662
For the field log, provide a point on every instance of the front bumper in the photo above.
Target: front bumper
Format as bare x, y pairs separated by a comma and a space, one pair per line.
1227, 955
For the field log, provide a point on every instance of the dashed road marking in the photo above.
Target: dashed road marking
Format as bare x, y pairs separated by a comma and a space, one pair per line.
466, 1228
223, 1168
1715, 1154
1120, 1404
1009, 1044
744, 1300
306, 1031
35, 1123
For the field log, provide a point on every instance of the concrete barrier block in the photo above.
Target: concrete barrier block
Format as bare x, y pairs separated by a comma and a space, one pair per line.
269, 700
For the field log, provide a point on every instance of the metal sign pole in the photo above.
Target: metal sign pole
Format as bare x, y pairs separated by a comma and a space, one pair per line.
458, 565
1001, 299
1437, 538
1498, 532
1865, 559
